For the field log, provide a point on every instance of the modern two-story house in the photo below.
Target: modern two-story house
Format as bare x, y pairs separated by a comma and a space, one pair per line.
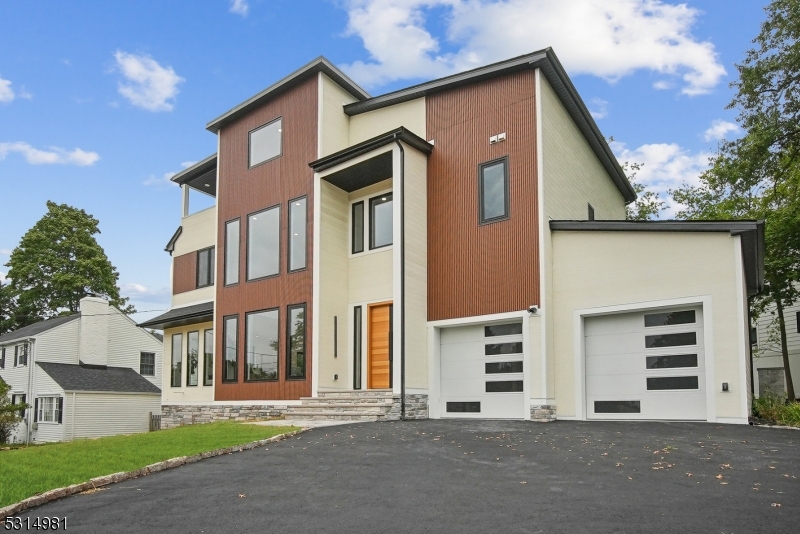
90, 374
453, 249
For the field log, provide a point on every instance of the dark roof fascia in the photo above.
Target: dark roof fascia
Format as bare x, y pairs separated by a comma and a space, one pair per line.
369, 145
321, 64
181, 316
548, 62
174, 239
33, 330
196, 170
751, 232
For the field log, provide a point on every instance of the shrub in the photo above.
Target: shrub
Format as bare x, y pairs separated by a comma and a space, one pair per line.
777, 410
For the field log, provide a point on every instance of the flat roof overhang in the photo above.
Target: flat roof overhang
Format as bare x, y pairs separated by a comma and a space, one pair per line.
187, 315
751, 233
371, 170
202, 176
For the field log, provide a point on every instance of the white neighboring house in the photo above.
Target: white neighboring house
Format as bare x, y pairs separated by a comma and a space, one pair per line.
768, 361
90, 374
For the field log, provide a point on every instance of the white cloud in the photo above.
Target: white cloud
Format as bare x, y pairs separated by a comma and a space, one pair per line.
164, 180
666, 166
148, 85
662, 85
719, 130
600, 108
5, 252
605, 38
143, 293
6, 92
240, 7
53, 156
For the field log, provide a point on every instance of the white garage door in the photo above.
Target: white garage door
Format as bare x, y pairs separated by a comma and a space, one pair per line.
646, 365
482, 374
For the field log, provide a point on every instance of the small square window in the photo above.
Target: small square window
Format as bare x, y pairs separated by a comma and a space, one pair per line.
493, 191
265, 142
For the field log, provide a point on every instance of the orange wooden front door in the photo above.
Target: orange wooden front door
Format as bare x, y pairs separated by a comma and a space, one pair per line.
379, 335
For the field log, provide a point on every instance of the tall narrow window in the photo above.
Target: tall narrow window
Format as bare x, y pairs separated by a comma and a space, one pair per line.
192, 357
177, 360
357, 333
357, 228
380, 221
265, 142
296, 341
261, 361
263, 243
205, 267
232, 252
208, 357
493, 190
230, 351
297, 234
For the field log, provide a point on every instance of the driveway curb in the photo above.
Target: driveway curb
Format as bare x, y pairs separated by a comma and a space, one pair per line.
97, 482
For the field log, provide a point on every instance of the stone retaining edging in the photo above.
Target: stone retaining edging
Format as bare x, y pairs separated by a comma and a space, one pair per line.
94, 483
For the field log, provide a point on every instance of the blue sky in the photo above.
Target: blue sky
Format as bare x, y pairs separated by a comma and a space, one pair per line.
101, 101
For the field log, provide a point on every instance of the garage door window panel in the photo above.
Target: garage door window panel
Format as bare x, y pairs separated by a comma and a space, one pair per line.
503, 367
663, 383
464, 407
670, 340
621, 406
495, 349
672, 361
510, 329
507, 386
669, 318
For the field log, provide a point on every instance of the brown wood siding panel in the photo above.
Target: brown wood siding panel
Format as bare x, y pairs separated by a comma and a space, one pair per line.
184, 273
494, 268
242, 191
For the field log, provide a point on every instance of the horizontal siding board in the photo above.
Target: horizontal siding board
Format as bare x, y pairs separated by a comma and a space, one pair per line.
104, 414
126, 342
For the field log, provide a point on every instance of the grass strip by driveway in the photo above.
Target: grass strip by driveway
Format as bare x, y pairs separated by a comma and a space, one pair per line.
31, 470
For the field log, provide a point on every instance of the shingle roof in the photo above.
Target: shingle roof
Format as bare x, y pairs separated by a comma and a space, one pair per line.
73, 377
196, 313
37, 328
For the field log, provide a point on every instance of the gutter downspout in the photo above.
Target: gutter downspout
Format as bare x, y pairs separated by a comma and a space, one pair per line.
402, 280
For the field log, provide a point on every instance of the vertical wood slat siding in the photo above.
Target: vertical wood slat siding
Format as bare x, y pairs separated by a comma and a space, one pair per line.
494, 268
242, 191
184, 273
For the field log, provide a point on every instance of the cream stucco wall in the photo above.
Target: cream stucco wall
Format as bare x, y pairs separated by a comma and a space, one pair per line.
184, 393
334, 123
199, 231
597, 269
409, 114
571, 178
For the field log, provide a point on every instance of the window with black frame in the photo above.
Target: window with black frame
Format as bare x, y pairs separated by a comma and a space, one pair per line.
230, 337
297, 234
265, 142
263, 243
177, 360
232, 252
192, 357
205, 267
493, 191
147, 363
208, 357
296, 342
380, 221
262, 343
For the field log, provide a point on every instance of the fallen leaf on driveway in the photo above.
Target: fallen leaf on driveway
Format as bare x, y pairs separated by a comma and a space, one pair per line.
689, 475
725, 466
523, 482
619, 464
776, 505
242, 495
719, 477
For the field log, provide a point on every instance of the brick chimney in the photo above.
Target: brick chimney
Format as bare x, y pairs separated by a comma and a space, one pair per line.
93, 345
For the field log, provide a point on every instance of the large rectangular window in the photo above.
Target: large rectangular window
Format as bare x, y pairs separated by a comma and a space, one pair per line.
265, 142
205, 267
297, 234
230, 351
493, 191
380, 221
263, 243
192, 358
232, 252
177, 360
296, 341
147, 363
49, 409
208, 357
357, 228
261, 333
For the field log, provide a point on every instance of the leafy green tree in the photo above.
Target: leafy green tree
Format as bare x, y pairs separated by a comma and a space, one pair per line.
758, 175
7, 308
648, 204
9, 413
57, 263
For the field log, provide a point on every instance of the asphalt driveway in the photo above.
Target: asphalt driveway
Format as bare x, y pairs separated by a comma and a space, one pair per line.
470, 476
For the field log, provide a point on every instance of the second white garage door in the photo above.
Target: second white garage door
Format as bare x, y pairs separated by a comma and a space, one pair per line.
646, 365
482, 371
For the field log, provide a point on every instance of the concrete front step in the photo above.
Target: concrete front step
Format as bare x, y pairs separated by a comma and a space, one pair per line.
342, 416
341, 408
365, 393
346, 401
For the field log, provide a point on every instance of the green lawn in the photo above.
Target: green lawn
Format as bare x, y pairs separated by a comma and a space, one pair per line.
31, 470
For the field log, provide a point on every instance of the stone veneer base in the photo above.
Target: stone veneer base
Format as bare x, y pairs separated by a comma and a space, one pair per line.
173, 415
543, 414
